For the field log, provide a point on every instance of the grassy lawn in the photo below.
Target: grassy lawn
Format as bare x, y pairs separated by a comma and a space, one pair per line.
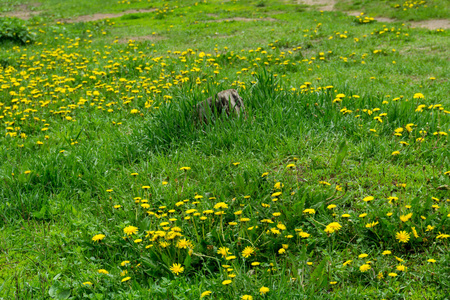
334, 184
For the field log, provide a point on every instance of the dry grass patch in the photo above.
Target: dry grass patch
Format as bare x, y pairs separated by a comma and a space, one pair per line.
102, 16
24, 11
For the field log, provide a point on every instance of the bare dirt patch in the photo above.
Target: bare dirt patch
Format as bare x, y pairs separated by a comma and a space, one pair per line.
99, 16
27, 11
328, 5
432, 24
241, 20
325, 5
385, 20
24, 11
151, 38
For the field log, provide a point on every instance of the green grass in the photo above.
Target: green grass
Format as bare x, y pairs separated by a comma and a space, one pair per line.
89, 104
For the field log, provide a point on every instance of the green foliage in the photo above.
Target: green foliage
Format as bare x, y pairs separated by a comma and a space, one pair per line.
15, 30
346, 127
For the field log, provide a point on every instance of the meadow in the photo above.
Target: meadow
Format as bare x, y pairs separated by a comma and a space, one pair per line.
335, 184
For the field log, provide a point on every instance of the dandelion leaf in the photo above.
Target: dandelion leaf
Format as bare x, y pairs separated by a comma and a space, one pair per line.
341, 154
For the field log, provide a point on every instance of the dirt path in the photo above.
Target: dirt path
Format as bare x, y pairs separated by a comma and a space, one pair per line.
328, 5
23, 11
27, 11
432, 24
99, 16
240, 19
325, 5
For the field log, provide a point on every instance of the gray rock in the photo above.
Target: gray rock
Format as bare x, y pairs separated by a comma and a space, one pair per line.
225, 102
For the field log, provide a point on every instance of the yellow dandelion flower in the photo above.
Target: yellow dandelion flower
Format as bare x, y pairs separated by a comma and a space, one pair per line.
205, 293
414, 232
402, 236
430, 228
309, 211
248, 251
365, 268
333, 227
405, 218
221, 205
368, 198
442, 235
278, 186
124, 263
264, 290
98, 237
402, 268
276, 194
176, 269
129, 230
304, 234
223, 251
370, 225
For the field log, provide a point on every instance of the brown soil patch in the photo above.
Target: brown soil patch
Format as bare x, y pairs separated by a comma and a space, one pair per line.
385, 20
240, 19
96, 17
325, 5
24, 11
151, 38
328, 5
432, 24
